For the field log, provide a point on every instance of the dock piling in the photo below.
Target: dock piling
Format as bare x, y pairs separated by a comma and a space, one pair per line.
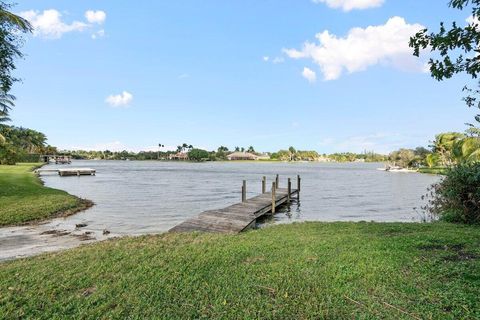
264, 184
298, 187
244, 191
274, 196
289, 190
276, 181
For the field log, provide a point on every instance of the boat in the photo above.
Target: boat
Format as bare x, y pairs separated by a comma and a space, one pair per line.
395, 168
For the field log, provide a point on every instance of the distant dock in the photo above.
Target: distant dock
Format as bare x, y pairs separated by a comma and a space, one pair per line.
69, 171
242, 216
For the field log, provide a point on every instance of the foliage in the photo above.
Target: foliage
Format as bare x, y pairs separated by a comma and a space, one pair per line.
11, 29
458, 48
433, 170
432, 160
367, 156
457, 197
198, 154
444, 145
16, 142
404, 158
297, 271
24, 198
184, 147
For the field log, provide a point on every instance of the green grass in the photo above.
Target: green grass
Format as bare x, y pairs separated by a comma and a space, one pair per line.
435, 170
297, 271
25, 199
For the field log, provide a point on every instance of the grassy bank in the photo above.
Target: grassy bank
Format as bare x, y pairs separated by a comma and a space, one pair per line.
299, 271
435, 170
25, 199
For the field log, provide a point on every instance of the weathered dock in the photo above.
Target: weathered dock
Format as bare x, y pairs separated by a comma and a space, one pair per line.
242, 216
69, 171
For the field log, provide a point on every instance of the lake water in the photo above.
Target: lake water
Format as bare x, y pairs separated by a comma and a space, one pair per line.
138, 197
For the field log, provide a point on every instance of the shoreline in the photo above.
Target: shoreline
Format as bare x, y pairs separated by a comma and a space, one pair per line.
37, 235
82, 205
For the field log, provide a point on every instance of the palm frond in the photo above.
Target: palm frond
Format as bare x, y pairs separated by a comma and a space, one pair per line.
15, 20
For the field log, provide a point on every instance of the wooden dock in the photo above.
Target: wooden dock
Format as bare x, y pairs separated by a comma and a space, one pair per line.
69, 171
242, 216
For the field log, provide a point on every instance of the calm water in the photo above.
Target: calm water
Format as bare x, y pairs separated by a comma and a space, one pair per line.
146, 197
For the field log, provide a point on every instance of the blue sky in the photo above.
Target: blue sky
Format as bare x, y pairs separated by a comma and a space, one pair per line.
130, 75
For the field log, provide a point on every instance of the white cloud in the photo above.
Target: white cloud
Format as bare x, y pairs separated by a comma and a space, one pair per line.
277, 60
49, 23
347, 5
120, 100
309, 74
95, 16
266, 58
384, 44
98, 34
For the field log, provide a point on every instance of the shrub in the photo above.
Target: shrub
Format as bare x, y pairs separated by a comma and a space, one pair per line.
9, 154
198, 154
457, 197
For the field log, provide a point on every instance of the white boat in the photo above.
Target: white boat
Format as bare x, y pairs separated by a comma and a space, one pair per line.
395, 168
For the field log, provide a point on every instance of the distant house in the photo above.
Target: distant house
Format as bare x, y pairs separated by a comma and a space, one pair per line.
178, 156
242, 156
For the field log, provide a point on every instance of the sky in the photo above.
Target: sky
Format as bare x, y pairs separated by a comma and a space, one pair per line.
324, 75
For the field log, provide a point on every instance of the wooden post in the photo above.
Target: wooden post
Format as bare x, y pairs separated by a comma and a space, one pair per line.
276, 181
289, 191
264, 184
298, 187
273, 197
244, 191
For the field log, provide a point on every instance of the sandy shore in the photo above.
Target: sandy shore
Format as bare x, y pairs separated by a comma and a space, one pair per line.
24, 241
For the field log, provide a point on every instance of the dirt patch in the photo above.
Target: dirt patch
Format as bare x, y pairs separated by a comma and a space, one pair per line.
88, 291
462, 256
445, 247
56, 233
456, 251
84, 236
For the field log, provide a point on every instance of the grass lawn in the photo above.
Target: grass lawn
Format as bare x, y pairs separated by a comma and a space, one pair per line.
23, 198
296, 271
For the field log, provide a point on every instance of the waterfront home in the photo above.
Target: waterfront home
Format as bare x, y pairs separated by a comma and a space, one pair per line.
242, 156
178, 156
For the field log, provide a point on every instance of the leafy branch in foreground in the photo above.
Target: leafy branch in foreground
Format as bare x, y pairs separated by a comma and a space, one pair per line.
458, 49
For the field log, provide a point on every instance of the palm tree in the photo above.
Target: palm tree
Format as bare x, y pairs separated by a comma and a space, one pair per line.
444, 146
12, 25
6, 102
158, 153
467, 149
14, 20
3, 118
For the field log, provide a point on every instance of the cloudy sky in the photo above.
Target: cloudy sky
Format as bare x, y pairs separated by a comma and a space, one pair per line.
327, 75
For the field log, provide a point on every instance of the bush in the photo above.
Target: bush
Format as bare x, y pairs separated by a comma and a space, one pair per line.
198, 155
9, 154
29, 157
457, 197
